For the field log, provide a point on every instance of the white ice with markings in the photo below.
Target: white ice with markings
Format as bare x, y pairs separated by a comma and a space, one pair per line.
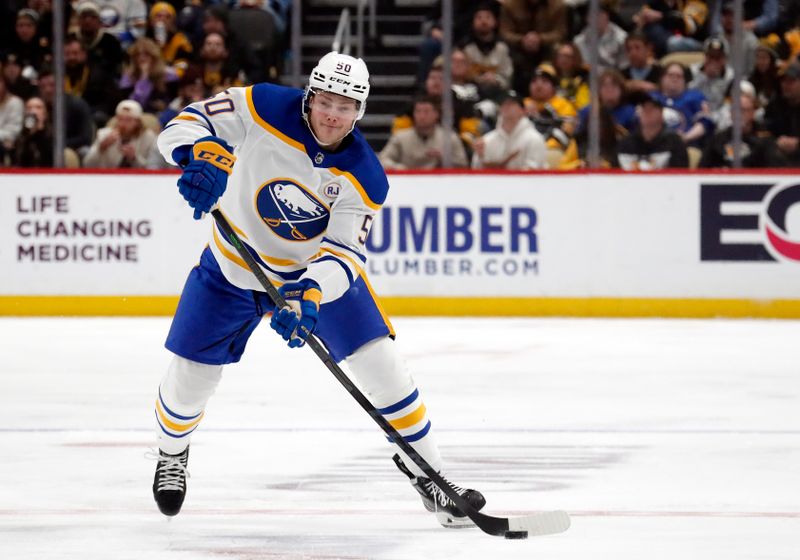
664, 439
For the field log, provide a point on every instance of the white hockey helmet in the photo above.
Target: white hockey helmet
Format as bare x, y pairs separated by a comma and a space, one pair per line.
341, 74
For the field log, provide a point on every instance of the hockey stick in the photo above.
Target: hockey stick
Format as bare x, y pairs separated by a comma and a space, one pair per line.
544, 523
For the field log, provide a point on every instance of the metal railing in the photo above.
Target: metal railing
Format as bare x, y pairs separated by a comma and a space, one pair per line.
366, 15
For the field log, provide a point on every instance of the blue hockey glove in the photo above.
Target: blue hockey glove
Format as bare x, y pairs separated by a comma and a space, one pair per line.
205, 177
295, 322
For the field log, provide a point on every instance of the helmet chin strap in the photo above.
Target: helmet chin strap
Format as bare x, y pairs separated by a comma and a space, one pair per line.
320, 142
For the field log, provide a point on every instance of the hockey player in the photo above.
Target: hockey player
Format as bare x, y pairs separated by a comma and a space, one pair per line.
301, 187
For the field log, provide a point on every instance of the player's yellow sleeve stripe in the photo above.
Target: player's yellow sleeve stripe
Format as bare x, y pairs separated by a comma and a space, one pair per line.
313, 295
359, 187
363, 274
228, 254
265, 258
185, 118
236, 259
409, 419
172, 425
378, 304
359, 270
268, 127
234, 227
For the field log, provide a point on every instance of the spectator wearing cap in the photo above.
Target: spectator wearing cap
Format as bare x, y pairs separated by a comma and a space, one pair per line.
146, 78
30, 49
642, 73
79, 129
11, 111
610, 40
673, 25
422, 145
89, 81
653, 146
757, 148
532, 29
488, 57
748, 38
103, 49
782, 116
34, 146
765, 77
713, 76
176, 49
514, 143
125, 143
685, 110
16, 82
553, 115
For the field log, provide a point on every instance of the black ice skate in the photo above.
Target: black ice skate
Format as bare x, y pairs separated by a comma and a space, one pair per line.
437, 501
169, 484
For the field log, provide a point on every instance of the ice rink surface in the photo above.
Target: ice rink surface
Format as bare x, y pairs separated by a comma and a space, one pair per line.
665, 439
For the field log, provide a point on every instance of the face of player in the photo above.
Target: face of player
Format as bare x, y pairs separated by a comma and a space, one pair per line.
331, 117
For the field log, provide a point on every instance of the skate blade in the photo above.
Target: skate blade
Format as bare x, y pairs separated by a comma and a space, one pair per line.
451, 522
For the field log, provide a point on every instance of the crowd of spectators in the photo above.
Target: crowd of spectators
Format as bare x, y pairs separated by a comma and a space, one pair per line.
129, 67
520, 80
664, 88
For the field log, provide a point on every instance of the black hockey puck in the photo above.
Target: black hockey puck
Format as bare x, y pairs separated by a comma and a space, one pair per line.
516, 534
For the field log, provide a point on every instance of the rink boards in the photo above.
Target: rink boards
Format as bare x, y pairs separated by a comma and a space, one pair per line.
605, 244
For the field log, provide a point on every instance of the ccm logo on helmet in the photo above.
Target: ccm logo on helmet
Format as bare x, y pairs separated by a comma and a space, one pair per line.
340, 81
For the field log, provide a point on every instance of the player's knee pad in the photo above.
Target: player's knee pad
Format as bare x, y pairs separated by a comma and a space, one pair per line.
380, 372
188, 385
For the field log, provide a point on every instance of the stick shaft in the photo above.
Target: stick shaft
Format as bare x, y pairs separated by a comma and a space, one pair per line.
491, 525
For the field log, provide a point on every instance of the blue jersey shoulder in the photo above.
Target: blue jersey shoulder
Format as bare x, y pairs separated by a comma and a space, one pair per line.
282, 108
364, 165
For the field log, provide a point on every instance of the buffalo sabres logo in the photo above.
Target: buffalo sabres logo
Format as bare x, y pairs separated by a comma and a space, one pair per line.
290, 210
318, 158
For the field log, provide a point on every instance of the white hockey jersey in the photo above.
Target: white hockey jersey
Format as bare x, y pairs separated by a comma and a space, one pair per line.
302, 211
